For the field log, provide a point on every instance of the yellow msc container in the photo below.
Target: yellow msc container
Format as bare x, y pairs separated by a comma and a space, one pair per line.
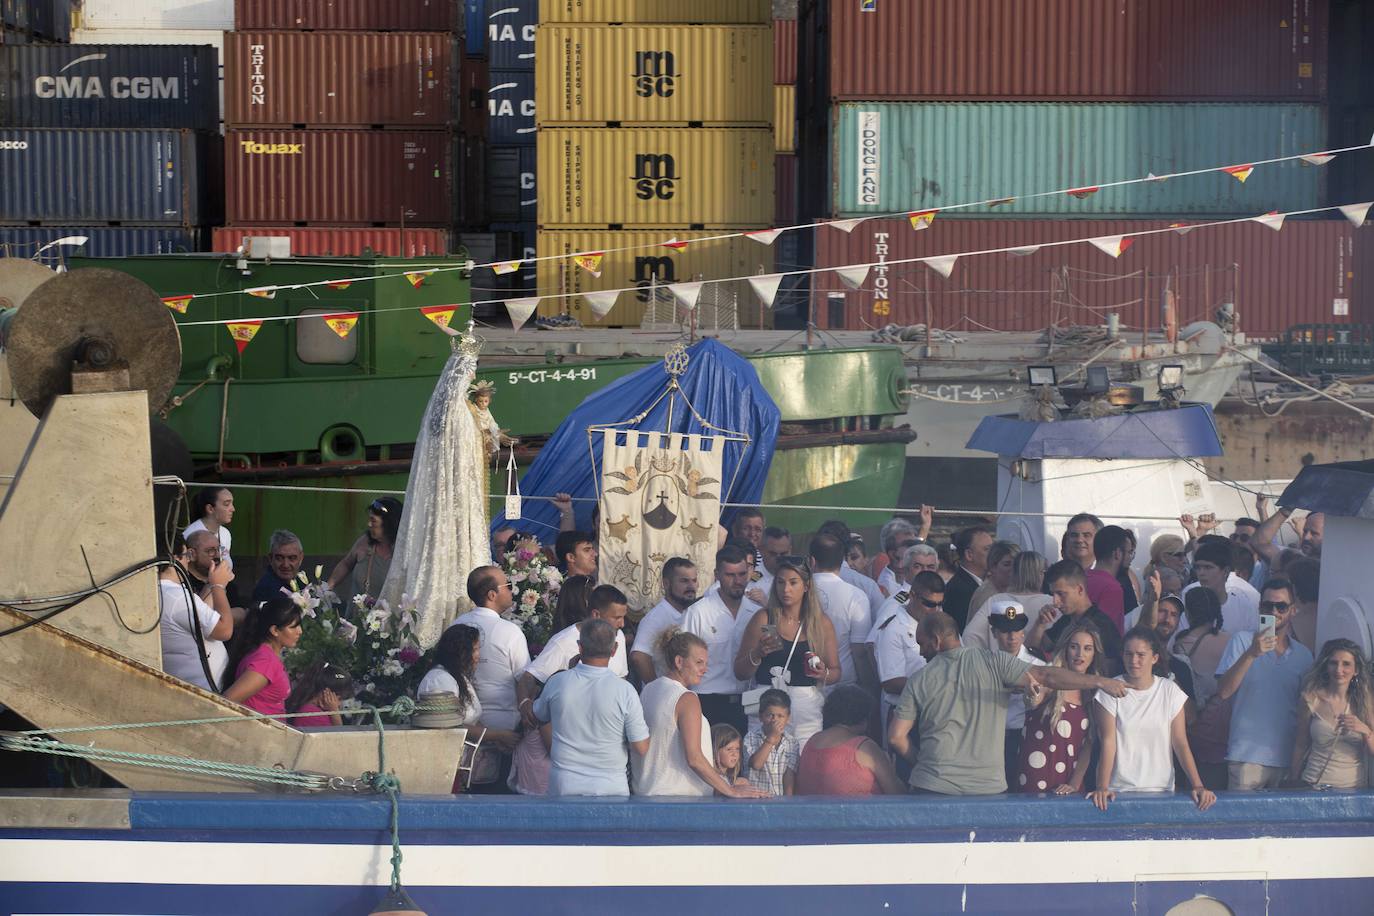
706, 12
785, 118
654, 74
649, 267
655, 177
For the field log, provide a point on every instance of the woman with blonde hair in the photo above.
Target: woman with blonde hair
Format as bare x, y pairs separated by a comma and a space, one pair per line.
1057, 743
1167, 550
1335, 719
791, 645
1026, 587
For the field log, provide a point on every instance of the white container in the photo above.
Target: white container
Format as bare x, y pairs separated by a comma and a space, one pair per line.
157, 14
158, 36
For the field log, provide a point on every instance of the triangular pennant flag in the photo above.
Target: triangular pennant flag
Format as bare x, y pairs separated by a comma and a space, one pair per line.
341, 323
1081, 193
602, 302
417, 277
1113, 245
853, 277
243, 332
520, 310
1318, 158
675, 244
766, 288
1239, 172
339, 284
1273, 219
1181, 228
943, 265
441, 315
1356, 213
591, 263
505, 267
687, 293
263, 292
846, 225
921, 220
1153, 177
1023, 251
766, 237
1001, 201
177, 303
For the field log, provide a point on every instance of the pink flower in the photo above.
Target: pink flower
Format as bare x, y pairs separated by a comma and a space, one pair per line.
525, 555
409, 655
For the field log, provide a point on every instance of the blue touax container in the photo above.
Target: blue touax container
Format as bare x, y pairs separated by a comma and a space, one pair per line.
109, 86
37, 242
510, 33
124, 177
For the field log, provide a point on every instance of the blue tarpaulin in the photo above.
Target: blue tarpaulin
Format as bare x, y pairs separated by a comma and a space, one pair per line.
1188, 432
719, 383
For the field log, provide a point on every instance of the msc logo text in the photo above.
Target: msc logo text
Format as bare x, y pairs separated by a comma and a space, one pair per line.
655, 176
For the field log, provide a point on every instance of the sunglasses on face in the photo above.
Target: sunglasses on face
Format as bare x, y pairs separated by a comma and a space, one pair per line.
932, 604
1274, 605
1176, 554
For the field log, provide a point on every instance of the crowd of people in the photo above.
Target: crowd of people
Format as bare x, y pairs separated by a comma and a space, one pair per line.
974, 670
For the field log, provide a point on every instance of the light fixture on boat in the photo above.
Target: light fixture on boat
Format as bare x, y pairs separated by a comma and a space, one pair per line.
1037, 376
396, 903
1098, 380
1171, 389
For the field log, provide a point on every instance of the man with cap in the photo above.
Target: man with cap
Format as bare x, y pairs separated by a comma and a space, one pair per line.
1008, 620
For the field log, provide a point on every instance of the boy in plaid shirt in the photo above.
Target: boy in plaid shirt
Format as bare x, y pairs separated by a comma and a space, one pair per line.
771, 752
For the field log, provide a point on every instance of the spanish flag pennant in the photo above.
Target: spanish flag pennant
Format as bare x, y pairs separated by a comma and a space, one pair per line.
417, 277
177, 303
1081, 193
441, 315
1239, 172
263, 292
921, 220
1318, 158
243, 332
1182, 228
1001, 202
1273, 219
590, 262
505, 267
341, 323
339, 284
1114, 245
675, 244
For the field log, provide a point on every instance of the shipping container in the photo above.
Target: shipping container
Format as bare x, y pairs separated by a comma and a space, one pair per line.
784, 52
9, 36
156, 15
132, 177
470, 182
891, 157
347, 15
471, 97
48, 20
1182, 50
214, 38
341, 243
785, 118
338, 79
785, 189
338, 177
101, 242
511, 26
648, 269
703, 12
1304, 273
475, 27
511, 172
644, 177
664, 75
109, 86
518, 242
511, 107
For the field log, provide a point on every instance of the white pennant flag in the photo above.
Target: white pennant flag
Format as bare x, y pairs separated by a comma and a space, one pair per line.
943, 265
1356, 213
1318, 158
767, 237
1153, 177
766, 287
602, 302
846, 225
1113, 245
853, 277
1023, 251
687, 293
1273, 220
520, 310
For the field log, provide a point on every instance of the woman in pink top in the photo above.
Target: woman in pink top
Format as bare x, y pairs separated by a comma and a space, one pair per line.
841, 759
260, 681
319, 690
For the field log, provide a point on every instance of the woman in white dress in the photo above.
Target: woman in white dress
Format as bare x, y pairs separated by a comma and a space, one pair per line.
455, 660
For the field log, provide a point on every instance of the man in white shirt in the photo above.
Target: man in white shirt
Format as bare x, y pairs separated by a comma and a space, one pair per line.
607, 603
1008, 620
1239, 600
897, 536
679, 593
845, 605
181, 655
720, 619
777, 543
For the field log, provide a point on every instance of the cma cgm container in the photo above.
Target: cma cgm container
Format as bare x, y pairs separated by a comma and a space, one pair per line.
649, 265
101, 242
890, 157
338, 177
342, 243
693, 178
150, 177
157, 15
511, 173
338, 79
667, 75
1305, 273
109, 86
349, 15
703, 12
1185, 50
510, 108
511, 26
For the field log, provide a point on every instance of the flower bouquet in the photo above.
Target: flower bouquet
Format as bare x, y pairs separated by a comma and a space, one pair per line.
389, 662
534, 585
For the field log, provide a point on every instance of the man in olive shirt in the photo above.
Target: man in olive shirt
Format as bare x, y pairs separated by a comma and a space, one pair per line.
957, 704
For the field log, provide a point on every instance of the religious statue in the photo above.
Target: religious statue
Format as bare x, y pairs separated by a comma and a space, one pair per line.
479, 402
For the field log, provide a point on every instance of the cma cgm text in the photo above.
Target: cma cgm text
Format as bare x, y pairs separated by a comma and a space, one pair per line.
120, 87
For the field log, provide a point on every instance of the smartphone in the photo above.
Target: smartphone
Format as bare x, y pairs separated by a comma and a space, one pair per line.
1268, 622
769, 630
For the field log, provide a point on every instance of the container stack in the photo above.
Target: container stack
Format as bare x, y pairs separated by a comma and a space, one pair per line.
25, 22
338, 132
511, 141
910, 107
654, 130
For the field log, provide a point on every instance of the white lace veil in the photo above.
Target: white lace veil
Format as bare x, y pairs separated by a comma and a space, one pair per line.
443, 532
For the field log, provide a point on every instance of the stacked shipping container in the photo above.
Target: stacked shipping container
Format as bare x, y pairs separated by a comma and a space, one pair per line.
915, 106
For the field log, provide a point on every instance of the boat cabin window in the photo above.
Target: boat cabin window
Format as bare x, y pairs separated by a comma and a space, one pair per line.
317, 344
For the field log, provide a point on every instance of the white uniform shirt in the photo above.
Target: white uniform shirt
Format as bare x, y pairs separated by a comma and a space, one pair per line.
887, 581
225, 540
1016, 705
893, 605
562, 648
722, 632
504, 655
895, 649
660, 617
180, 654
848, 610
865, 585
978, 632
1241, 610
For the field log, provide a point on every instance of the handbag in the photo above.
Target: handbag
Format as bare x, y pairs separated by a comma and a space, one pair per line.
512, 484
751, 697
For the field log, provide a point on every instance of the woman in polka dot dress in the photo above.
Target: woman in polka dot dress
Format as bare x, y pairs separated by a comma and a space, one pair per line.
1056, 746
